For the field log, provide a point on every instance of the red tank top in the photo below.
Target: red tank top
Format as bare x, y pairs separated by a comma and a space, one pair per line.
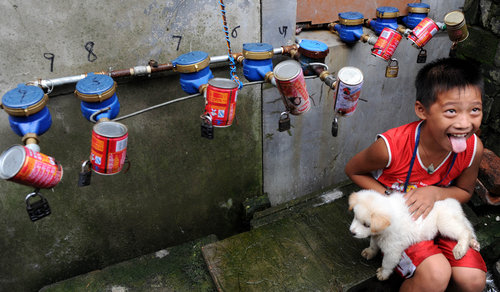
400, 143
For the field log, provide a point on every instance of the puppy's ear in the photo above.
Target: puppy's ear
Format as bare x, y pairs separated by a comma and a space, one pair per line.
353, 199
379, 222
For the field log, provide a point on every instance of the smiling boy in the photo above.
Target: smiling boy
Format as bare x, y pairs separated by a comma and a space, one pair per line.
432, 159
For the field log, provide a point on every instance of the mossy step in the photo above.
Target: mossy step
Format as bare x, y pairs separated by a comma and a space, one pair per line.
179, 268
309, 250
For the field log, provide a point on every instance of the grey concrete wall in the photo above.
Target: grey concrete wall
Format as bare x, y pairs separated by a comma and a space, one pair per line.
307, 158
179, 186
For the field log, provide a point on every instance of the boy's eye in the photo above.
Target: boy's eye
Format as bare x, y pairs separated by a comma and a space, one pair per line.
475, 110
451, 111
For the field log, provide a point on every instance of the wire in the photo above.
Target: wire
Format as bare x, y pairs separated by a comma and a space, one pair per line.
232, 64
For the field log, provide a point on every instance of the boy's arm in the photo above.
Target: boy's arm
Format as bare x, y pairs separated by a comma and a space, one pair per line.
421, 200
359, 168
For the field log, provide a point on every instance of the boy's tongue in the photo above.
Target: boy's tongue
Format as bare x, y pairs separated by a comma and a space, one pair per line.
459, 144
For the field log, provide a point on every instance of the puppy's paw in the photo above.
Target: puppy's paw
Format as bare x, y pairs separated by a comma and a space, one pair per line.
460, 250
474, 244
383, 274
368, 253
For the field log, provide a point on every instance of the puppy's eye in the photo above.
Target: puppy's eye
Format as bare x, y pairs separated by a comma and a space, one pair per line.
367, 225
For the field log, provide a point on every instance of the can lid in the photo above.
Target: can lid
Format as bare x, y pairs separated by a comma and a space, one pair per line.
95, 84
454, 18
23, 96
257, 51
110, 129
222, 83
313, 49
387, 12
11, 161
191, 62
287, 70
419, 7
351, 18
350, 75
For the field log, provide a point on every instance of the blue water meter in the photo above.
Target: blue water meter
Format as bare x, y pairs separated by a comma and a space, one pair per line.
27, 111
350, 27
98, 95
257, 60
386, 17
416, 13
311, 51
194, 70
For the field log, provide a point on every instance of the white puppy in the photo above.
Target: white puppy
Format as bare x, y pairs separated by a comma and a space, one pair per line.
387, 220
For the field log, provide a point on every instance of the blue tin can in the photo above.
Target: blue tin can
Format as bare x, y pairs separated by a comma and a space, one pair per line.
27, 111
97, 93
386, 17
194, 70
258, 60
350, 27
311, 51
416, 13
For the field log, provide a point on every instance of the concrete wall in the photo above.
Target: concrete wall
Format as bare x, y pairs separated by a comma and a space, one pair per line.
307, 158
179, 186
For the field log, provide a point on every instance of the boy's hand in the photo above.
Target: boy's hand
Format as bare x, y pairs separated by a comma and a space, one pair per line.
420, 201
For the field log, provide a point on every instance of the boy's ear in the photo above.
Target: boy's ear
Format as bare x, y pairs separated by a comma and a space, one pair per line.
420, 110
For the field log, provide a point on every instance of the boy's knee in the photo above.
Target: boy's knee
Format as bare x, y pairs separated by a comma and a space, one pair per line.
435, 274
468, 279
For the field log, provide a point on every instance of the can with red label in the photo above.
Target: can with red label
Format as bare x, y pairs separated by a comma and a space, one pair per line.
423, 32
386, 44
109, 147
220, 101
25, 166
292, 86
348, 90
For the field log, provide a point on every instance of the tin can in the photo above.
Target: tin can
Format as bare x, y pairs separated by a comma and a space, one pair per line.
455, 26
292, 87
348, 90
423, 32
220, 101
386, 44
109, 147
25, 166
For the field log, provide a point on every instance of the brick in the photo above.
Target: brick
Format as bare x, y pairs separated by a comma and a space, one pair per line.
489, 172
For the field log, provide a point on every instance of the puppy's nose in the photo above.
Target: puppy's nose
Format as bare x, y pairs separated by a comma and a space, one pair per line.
353, 233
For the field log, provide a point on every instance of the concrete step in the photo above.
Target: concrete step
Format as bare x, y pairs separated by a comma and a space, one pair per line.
304, 245
179, 268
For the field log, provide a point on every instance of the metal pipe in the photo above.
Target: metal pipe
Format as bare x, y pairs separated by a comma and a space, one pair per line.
153, 67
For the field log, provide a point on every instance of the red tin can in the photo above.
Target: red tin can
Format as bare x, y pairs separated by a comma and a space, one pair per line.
25, 166
423, 32
220, 101
109, 147
386, 44
348, 90
292, 86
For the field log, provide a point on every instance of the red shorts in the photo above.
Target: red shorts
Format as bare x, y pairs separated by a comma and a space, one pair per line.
415, 254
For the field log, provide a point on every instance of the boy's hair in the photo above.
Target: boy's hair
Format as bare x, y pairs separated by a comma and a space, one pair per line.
444, 74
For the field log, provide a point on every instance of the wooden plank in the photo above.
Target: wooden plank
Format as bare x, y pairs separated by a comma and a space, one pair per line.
321, 11
312, 251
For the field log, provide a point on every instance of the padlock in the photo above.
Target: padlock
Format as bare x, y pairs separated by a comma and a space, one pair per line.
422, 56
453, 50
85, 174
284, 122
335, 127
38, 209
392, 70
207, 129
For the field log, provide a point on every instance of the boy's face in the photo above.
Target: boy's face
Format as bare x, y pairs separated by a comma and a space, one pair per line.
453, 118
